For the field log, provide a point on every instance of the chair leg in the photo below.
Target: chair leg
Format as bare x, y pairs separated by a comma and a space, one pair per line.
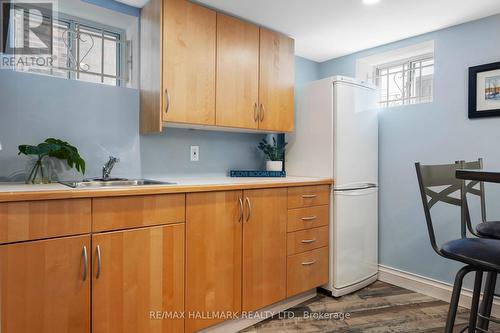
455, 297
486, 304
475, 301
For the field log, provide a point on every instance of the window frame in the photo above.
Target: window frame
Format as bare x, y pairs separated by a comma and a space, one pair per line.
74, 23
410, 71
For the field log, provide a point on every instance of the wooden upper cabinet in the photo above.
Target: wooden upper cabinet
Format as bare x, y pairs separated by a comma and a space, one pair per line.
135, 275
213, 256
189, 38
203, 68
264, 248
276, 85
43, 287
237, 87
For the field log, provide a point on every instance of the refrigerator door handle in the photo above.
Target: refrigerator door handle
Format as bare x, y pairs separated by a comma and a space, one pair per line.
356, 188
352, 193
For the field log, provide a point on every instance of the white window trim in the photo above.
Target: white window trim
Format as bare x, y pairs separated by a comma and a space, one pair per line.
366, 66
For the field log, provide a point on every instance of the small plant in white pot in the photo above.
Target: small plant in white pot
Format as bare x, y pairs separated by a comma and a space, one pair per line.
275, 154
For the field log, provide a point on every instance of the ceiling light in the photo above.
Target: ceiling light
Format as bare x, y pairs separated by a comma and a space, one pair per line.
370, 2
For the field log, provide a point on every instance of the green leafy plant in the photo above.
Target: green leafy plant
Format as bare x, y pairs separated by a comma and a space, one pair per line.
52, 148
274, 151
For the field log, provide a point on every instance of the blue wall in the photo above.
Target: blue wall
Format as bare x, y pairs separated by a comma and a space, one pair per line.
103, 120
116, 6
438, 132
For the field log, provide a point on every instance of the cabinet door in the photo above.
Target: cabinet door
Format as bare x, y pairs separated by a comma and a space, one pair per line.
213, 256
43, 287
276, 89
264, 248
237, 86
139, 286
188, 63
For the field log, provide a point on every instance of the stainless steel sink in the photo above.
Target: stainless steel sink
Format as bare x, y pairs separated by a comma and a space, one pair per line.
114, 182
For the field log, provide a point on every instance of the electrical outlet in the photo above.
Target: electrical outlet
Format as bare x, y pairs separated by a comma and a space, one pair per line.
195, 153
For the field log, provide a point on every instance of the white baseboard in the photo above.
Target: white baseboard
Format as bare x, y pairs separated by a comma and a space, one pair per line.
239, 324
430, 287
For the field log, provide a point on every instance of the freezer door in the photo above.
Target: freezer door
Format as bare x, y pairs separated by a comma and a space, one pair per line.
355, 236
355, 158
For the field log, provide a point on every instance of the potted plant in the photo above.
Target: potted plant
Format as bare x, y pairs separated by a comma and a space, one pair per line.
275, 154
38, 169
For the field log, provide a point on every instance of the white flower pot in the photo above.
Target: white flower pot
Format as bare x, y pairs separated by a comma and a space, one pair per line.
274, 165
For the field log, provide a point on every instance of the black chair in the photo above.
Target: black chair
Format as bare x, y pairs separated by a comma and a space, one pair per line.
488, 229
437, 184
485, 229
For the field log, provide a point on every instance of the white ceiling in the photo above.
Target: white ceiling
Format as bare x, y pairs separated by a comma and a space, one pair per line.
325, 29
134, 3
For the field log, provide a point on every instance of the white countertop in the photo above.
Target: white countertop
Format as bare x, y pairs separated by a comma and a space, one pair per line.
179, 182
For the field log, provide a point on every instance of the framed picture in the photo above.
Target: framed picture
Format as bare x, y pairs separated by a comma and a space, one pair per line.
484, 91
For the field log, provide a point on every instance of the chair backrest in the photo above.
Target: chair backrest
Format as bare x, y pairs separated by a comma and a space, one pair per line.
471, 187
443, 175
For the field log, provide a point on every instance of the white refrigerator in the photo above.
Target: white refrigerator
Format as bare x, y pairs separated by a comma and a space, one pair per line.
337, 137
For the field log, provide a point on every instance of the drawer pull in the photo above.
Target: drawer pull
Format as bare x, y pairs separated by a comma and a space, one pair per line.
308, 241
309, 196
310, 218
308, 263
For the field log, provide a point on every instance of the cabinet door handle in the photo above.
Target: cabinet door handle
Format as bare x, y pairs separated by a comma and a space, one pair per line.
308, 241
98, 252
309, 218
308, 263
255, 113
249, 204
240, 219
167, 100
309, 196
262, 111
85, 262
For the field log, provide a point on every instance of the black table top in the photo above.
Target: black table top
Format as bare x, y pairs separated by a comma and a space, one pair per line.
490, 176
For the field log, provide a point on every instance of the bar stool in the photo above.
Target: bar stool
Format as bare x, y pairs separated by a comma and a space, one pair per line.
485, 229
488, 229
479, 254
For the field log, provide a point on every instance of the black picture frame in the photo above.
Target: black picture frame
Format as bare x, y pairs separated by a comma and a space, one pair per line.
473, 73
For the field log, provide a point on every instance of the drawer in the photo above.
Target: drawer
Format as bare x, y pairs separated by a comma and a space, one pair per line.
306, 271
30, 220
307, 196
306, 240
307, 218
137, 211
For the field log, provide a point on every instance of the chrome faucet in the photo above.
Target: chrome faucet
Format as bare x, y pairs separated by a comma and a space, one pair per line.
108, 167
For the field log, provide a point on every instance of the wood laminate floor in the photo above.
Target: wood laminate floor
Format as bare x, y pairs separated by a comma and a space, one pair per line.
379, 308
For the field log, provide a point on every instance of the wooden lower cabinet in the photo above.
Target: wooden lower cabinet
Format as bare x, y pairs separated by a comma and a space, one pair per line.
43, 287
264, 247
213, 257
138, 280
156, 275
307, 270
32, 220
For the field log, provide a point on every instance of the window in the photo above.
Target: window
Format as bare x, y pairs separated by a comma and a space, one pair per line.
81, 50
407, 81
